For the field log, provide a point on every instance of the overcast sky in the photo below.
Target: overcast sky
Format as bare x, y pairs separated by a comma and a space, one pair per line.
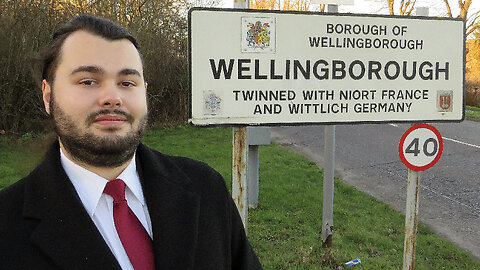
436, 7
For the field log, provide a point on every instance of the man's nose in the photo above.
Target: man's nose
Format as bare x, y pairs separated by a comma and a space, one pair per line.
111, 98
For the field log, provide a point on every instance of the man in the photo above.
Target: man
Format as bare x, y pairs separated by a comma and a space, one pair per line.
101, 199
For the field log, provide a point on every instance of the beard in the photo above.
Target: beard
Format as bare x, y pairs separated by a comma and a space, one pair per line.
99, 151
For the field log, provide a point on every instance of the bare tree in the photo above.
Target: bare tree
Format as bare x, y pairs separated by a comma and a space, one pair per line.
473, 23
462, 4
406, 8
449, 10
282, 4
390, 6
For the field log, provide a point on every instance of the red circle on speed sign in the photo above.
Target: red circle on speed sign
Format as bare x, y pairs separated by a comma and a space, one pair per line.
420, 147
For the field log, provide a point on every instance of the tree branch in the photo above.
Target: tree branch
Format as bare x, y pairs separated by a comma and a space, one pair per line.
401, 7
464, 8
449, 10
411, 8
390, 6
472, 29
322, 7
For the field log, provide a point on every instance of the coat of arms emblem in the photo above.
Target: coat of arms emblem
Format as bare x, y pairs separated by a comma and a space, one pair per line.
212, 103
444, 101
258, 35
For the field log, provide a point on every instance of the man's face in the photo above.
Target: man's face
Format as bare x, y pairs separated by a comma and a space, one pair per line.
98, 99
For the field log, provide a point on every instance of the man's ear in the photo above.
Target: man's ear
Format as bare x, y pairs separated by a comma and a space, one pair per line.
47, 95
146, 85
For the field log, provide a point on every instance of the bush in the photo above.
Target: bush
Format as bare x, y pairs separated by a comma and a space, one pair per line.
473, 96
27, 26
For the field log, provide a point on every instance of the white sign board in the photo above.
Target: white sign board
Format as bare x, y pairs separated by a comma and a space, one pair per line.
252, 67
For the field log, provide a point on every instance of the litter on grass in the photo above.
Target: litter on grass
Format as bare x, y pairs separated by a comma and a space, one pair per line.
354, 262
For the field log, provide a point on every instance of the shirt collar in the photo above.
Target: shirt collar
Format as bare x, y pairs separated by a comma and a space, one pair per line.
132, 180
90, 186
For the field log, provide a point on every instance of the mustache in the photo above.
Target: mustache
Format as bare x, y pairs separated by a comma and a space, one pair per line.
91, 117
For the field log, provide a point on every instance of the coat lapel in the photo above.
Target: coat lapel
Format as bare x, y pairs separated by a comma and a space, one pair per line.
65, 232
174, 210
68, 236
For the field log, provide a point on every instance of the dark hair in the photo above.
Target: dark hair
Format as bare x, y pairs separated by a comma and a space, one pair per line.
104, 28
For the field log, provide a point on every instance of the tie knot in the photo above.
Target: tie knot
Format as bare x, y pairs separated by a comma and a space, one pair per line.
116, 189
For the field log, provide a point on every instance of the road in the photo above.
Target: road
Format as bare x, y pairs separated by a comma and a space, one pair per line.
366, 156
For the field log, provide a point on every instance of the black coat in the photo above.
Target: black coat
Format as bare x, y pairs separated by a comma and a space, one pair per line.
195, 223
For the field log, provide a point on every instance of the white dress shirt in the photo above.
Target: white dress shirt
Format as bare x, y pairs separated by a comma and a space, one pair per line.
99, 206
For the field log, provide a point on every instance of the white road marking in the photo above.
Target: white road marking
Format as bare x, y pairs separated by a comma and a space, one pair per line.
460, 142
450, 139
475, 210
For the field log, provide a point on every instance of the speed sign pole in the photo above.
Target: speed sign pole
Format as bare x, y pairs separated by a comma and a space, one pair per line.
420, 148
411, 210
411, 218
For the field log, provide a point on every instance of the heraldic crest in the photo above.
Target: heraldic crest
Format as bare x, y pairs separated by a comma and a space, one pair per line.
258, 35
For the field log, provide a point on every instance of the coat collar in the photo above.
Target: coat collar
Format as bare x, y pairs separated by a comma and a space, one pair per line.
174, 209
67, 234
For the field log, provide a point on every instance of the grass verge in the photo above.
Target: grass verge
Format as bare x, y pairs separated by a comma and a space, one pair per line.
472, 113
20, 156
285, 228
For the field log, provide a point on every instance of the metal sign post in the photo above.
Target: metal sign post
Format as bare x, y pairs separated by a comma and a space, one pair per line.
241, 3
411, 210
240, 159
328, 186
239, 173
420, 148
411, 218
328, 175
256, 136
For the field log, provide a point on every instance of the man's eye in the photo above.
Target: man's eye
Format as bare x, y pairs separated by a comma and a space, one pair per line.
127, 84
87, 82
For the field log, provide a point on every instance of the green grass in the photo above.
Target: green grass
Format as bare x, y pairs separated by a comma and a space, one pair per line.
472, 112
285, 228
472, 108
19, 156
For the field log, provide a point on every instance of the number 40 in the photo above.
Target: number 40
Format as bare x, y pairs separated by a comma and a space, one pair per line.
412, 148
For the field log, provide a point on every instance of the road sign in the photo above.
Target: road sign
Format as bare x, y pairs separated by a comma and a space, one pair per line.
253, 67
420, 147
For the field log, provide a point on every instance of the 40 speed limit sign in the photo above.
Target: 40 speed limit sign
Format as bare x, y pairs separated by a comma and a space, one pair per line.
420, 147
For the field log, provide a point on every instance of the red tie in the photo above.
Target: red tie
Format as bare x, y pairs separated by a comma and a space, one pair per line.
134, 237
